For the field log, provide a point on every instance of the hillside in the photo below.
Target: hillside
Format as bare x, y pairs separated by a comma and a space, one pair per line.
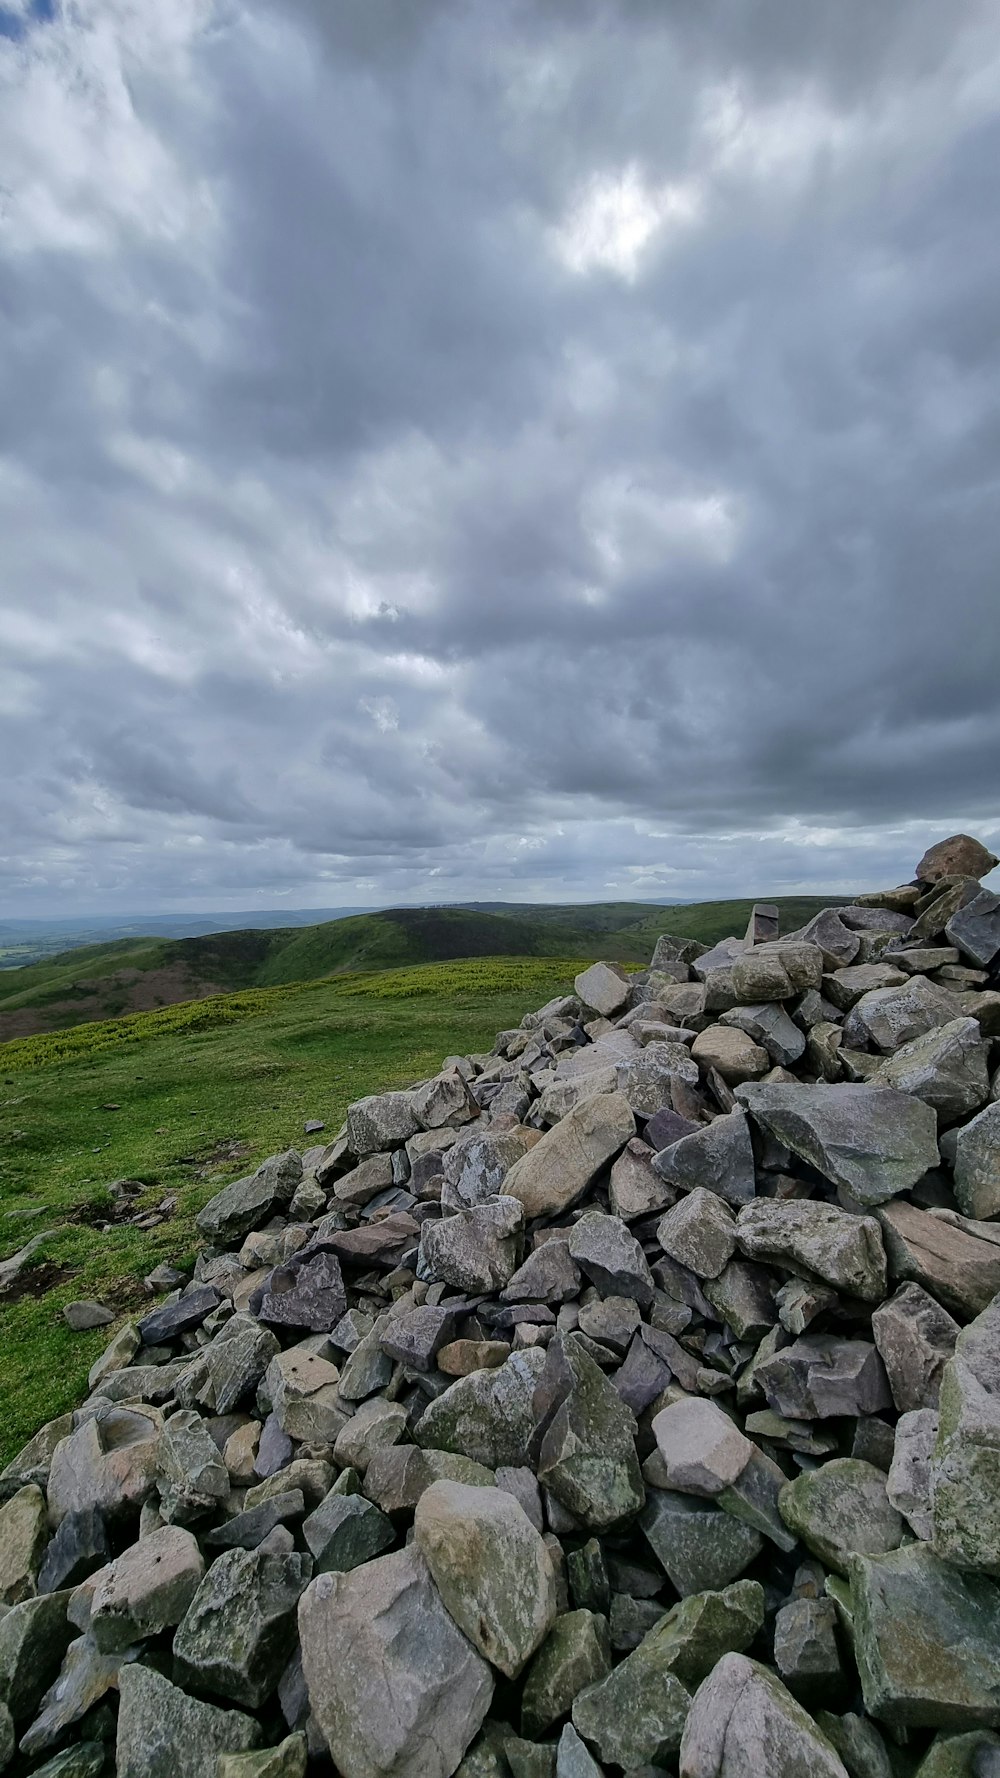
140, 974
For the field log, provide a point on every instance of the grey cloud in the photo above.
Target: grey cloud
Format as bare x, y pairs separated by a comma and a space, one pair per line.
375, 515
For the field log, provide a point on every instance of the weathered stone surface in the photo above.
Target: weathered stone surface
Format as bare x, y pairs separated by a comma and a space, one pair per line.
959, 856
908, 1483
576, 1653
380, 1637
549, 1275
85, 1677
193, 1479
805, 1648
443, 1102
476, 1250
820, 1376
146, 1589
636, 1715
344, 1531
717, 1157
23, 1536
699, 1546
382, 1120
699, 1232
491, 1568
109, 1463
838, 942
477, 1165
611, 1257
889, 1017
977, 1165
488, 1416
247, 1203
287, 1760
157, 1720
34, 1637
648, 1080
846, 1251
776, 971
415, 1338
841, 1510
915, 1337
239, 1629
950, 1259
636, 1189
732, 1052
965, 1470
229, 1369
946, 1068
702, 1450
585, 1439
770, 1026
247, 1530
925, 1640
307, 1292
975, 928
560, 1167
872, 1141
603, 987
743, 1722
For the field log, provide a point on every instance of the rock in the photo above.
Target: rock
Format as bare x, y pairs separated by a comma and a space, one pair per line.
636, 1715
248, 1530
604, 987
572, 1758
344, 1531
846, 1251
820, 1376
307, 1292
975, 928
838, 942
925, 1640
416, 1337
287, 1760
156, 1719
229, 1369
80, 1317
889, 1017
79, 1547
648, 1080
699, 1546
239, 1628
716, 1157
732, 1052
378, 1633
491, 1568
247, 1203
770, 1026
873, 1142
193, 1480
776, 971
699, 1232
34, 1637
977, 1165
805, 1648
179, 1317
576, 1653
965, 1471
478, 1163
382, 1120
635, 1189
461, 1357
915, 1338
949, 1259
908, 1483
23, 1536
549, 1275
744, 1721
841, 1510
611, 1257
553, 1174
443, 1102
476, 1250
585, 1439
33, 1462
959, 856
488, 1416
85, 1677
702, 1450
945, 1067
146, 1589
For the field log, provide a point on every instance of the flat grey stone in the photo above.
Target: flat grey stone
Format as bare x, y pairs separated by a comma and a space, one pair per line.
844, 1250
156, 1720
874, 1142
743, 1721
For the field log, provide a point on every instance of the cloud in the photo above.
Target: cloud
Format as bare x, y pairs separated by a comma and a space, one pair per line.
541, 452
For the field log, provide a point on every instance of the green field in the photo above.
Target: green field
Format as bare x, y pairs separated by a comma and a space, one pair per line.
106, 980
189, 1083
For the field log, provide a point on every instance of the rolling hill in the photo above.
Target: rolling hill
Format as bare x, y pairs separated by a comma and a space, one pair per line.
103, 981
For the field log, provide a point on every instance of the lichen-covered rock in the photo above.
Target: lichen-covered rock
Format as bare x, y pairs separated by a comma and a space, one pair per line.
965, 1471
148, 1588
585, 1439
477, 1250
24, 1533
846, 1251
977, 1164
488, 1416
743, 1722
874, 1142
841, 1510
397, 1689
491, 1567
576, 1654
247, 1203
158, 1723
239, 1629
925, 1639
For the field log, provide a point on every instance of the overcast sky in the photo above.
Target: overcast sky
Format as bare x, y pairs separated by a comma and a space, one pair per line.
521, 449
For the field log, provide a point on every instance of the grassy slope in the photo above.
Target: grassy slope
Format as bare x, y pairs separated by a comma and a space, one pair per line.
393, 939
188, 1080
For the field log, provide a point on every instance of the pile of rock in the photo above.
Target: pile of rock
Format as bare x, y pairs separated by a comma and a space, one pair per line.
628, 1397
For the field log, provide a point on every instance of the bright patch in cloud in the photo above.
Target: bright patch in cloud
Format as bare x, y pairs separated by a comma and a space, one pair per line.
616, 218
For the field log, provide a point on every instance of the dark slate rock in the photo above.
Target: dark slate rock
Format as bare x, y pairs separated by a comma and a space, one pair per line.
180, 1317
306, 1292
79, 1547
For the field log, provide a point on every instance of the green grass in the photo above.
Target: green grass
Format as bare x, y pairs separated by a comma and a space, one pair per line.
248, 1069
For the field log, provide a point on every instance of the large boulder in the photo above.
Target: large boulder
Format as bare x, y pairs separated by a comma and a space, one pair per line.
584, 1440
873, 1142
845, 1251
744, 1723
247, 1203
491, 1567
558, 1170
158, 1724
925, 1641
396, 1688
